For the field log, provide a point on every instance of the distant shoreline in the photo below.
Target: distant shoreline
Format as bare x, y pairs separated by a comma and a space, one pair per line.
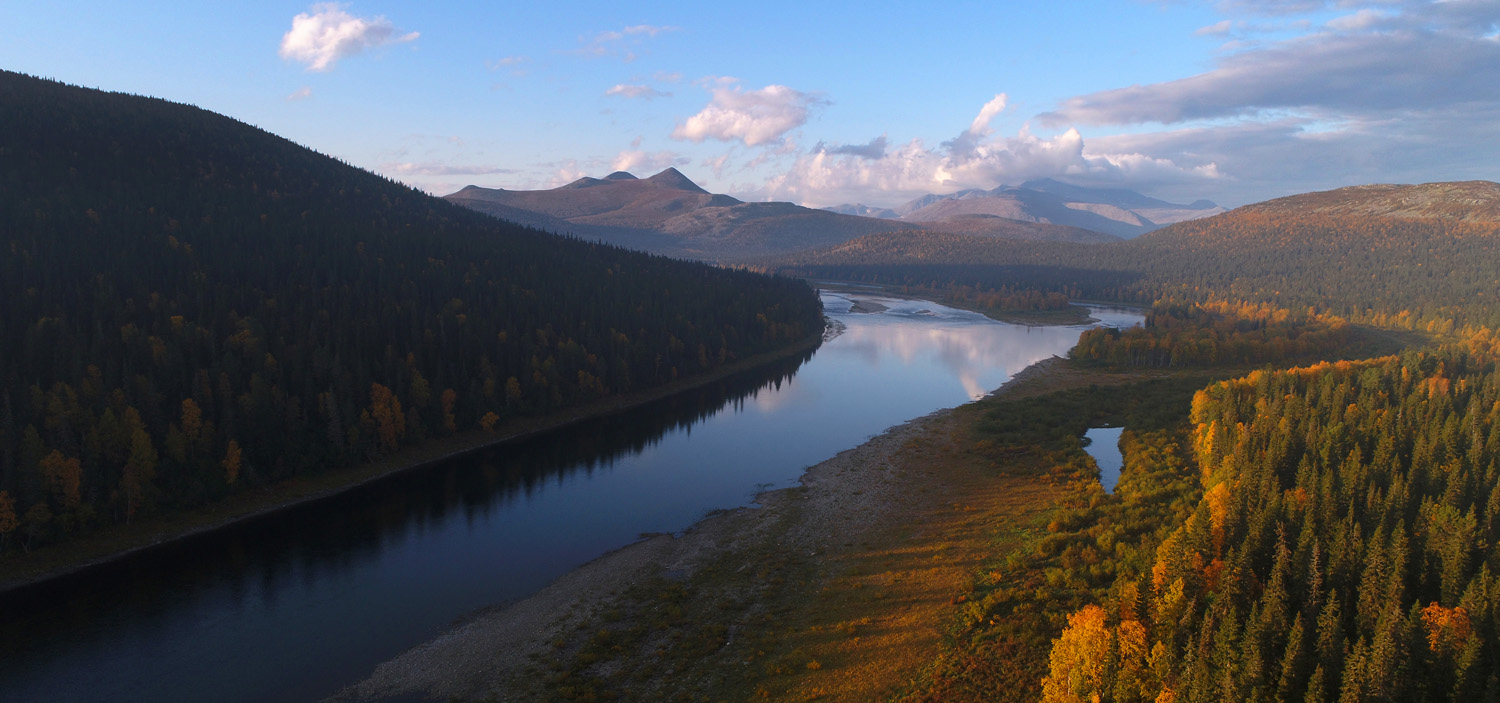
74, 558
1042, 318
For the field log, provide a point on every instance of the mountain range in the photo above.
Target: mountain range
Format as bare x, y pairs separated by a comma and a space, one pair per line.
1122, 213
670, 214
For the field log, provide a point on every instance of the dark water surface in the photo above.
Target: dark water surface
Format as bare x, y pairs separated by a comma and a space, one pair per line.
296, 606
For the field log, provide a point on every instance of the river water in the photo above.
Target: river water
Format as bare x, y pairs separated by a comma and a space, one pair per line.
296, 606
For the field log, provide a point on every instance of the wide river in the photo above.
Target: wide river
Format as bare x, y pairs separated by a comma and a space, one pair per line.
296, 606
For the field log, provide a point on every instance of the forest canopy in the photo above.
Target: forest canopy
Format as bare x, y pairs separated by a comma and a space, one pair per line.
194, 305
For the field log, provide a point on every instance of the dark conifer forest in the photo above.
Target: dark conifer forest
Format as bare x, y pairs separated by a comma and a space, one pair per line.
192, 306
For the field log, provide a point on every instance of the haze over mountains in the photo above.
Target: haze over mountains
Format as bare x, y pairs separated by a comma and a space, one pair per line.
1122, 213
669, 214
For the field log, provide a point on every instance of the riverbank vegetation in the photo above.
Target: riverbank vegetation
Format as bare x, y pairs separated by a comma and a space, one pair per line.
1179, 334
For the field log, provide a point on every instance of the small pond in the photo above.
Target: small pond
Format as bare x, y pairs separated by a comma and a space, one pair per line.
1103, 443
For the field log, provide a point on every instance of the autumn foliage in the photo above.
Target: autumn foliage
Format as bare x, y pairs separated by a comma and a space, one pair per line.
1342, 549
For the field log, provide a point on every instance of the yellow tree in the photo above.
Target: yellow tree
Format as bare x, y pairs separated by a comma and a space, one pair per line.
140, 468
1078, 659
449, 399
231, 463
488, 421
390, 421
62, 476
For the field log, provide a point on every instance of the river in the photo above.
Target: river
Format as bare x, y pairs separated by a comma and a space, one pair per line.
295, 606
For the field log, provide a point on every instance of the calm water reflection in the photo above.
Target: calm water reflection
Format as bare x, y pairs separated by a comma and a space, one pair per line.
292, 608
1104, 446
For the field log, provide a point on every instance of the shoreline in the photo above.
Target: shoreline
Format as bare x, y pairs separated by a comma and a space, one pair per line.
836, 501
95, 551
1067, 317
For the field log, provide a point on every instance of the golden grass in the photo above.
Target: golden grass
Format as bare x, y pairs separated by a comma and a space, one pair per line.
881, 608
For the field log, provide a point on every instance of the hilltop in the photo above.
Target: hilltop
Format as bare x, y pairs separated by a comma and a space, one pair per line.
1459, 201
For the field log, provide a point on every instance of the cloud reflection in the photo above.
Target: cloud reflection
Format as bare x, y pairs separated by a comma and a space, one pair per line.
979, 354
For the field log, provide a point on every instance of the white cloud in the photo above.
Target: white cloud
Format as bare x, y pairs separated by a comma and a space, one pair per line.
326, 34
1397, 91
645, 92
1338, 73
963, 145
974, 159
649, 30
981, 124
302, 93
631, 160
716, 164
1217, 29
753, 117
613, 42
505, 62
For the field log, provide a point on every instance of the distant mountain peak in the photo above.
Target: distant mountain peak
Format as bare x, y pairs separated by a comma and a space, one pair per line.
672, 178
620, 176
471, 189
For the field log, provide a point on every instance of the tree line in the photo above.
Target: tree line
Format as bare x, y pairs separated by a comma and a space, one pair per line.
1178, 334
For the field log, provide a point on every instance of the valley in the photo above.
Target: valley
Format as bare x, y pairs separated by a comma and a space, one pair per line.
811, 352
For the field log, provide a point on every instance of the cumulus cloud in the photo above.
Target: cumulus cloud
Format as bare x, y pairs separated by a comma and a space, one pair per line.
1387, 91
644, 92
327, 33
302, 93
976, 158
753, 117
981, 124
964, 144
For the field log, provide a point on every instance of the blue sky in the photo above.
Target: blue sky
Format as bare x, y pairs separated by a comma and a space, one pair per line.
823, 103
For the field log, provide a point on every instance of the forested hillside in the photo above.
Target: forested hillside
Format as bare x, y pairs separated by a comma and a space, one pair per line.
193, 305
1342, 549
1362, 267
